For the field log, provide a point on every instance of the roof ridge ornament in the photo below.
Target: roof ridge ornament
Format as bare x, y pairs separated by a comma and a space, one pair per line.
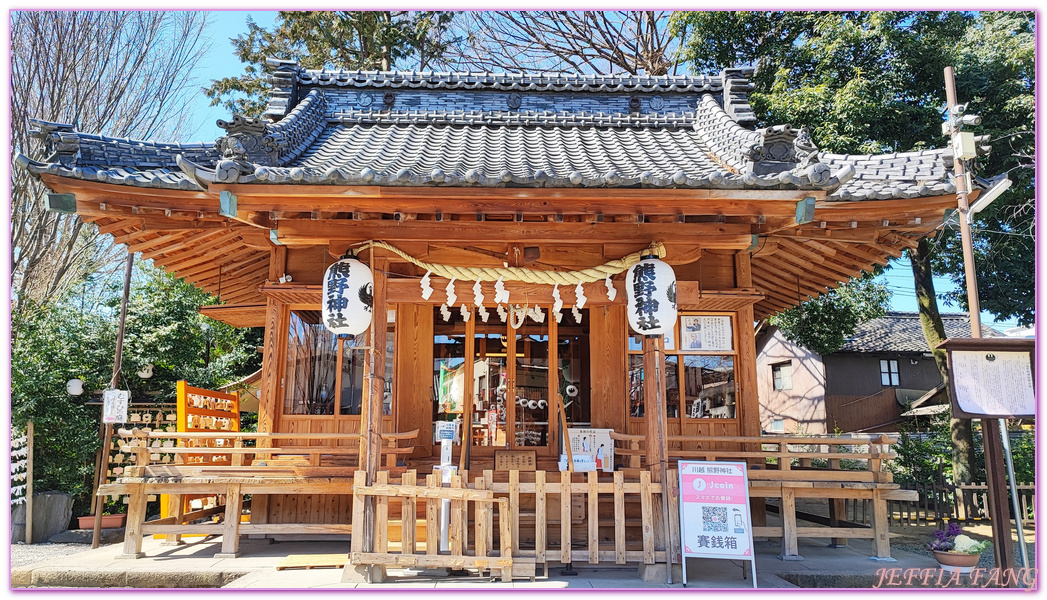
248, 140
781, 148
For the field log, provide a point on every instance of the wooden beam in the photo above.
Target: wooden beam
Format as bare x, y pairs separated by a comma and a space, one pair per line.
864, 210
191, 244
706, 235
87, 208
354, 193
93, 191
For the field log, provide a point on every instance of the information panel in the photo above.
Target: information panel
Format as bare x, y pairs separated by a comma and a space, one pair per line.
994, 384
714, 512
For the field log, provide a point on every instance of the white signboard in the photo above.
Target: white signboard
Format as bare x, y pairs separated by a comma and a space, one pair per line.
706, 334
591, 450
114, 406
445, 430
714, 512
993, 383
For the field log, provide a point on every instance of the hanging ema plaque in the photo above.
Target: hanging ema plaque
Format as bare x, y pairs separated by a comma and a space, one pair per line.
991, 377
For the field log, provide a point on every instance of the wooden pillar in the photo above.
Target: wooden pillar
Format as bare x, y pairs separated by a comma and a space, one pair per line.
999, 512
657, 428
113, 384
371, 411
654, 405
745, 375
29, 482
269, 385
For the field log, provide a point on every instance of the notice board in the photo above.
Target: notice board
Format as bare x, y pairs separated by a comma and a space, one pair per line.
992, 377
591, 450
714, 512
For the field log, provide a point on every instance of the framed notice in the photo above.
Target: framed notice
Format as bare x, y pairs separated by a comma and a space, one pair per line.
706, 333
515, 460
991, 377
714, 512
591, 450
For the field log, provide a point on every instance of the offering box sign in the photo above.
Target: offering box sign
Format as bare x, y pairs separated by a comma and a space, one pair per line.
714, 510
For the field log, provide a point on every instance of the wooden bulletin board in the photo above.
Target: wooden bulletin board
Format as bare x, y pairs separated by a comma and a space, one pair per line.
207, 411
203, 411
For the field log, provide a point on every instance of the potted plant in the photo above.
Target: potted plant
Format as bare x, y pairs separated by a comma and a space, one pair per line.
108, 521
955, 551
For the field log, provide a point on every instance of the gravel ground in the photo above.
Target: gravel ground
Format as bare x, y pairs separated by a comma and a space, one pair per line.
26, 554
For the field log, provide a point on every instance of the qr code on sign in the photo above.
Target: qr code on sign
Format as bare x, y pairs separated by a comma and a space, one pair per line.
714, 518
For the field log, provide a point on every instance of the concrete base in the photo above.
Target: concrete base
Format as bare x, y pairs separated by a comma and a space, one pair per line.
359, 574
131, 556
170, 542
659, 573
886, 559
83, 536
838, 546
227, 555
795, 557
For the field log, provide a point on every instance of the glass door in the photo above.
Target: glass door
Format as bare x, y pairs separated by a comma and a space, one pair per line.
531, 408
490, 385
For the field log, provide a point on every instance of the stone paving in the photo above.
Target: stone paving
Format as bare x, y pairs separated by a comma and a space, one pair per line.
194, 565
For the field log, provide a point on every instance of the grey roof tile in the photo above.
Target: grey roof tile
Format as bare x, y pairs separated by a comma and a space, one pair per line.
902, 332
457, 129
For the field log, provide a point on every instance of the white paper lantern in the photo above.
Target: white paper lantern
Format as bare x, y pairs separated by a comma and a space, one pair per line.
74, 387
650, 290
348, 297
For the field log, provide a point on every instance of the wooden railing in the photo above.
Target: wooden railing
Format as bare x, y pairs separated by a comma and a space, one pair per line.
266, 455
835, 468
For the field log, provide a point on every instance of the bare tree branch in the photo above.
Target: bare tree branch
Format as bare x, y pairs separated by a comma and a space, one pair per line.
585, 41
125, 74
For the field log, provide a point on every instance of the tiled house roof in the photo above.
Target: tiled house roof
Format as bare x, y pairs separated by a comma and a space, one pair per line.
902, 332
498, 130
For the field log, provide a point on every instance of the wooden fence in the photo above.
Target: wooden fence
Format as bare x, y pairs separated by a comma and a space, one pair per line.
943, 502
599, 518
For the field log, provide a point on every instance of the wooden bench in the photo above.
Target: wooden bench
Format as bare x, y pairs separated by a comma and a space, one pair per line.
773, 474
260, 470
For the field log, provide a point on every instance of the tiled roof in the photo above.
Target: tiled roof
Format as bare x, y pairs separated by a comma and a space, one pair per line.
527, 82
489, 129
902, 332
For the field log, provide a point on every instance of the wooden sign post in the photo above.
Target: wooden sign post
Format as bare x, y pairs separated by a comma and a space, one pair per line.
992, 380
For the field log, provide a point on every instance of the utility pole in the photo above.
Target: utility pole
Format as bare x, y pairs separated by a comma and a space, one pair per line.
991, 428
107, 435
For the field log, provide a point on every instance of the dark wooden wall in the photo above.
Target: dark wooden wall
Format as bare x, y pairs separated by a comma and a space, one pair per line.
852, 374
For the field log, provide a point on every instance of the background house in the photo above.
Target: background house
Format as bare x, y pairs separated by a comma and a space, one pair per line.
864, 387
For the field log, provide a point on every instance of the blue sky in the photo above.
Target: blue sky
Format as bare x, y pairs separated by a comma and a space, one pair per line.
221, 62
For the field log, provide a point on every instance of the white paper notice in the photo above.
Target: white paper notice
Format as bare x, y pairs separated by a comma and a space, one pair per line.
994, 383
706, 333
